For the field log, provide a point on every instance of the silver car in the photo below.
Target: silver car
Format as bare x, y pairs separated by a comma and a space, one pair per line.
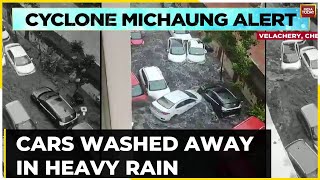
303, 158
309, 119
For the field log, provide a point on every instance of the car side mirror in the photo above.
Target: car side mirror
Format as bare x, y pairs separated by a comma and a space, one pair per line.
167, 50
205, 51
31, 59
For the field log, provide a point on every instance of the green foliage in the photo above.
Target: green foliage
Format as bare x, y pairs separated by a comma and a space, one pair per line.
236, 46
238, 85
77, 47
258, 110
88, 61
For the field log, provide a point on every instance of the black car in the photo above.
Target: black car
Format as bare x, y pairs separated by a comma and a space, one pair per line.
223, 102
55, 106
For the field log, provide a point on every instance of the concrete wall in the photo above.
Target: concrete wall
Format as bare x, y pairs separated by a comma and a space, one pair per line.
118, 69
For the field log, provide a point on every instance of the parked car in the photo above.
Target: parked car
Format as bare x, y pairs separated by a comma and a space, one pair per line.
176, 50
196, 51
223, 102
289, 56
5, 35
19, 59
153, 82
137, 92
251, 123
55, 106
83, 125
168, 5
136, 38
174, 103
308, 115
309, 55
18, 116
181, 34
303, 158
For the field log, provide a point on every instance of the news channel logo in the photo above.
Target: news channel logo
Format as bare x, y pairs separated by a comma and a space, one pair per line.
308, 10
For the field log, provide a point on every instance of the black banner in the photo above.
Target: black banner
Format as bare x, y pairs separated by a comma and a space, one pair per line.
138, 153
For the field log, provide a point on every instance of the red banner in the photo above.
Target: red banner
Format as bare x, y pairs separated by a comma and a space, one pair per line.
287, 35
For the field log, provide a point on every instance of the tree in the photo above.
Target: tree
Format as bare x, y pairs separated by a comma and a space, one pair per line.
77, 47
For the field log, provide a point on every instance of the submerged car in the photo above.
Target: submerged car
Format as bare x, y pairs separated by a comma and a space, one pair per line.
19, 59
223, 102
181, 34
308, 116
303, 158
196, 51
18, 116
153, 82
309, 55
136, 38
176, 50
289, 57
174, 103
55, 106
252, 123
137, 92
5, 35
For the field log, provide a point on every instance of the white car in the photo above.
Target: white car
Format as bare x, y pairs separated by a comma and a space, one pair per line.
19, 59
196, 51
176, 50
5, 35
153, 82
309, 55
184, 35
174, 103
289, 56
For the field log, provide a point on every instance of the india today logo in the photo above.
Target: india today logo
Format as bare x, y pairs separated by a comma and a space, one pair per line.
308, 10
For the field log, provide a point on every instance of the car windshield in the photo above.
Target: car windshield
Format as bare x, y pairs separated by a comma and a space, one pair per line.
190, 94
181, 32
177, 51
136, 91
314, 64
26, 125
165, 102
47, 95
157, 85
22, 61
315, 133
196, 51
136, 35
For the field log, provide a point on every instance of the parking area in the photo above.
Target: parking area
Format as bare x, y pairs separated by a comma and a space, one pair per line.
21, 87
287, 92
180, 76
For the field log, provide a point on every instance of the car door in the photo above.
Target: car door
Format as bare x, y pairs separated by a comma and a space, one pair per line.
189, 104
180, 108
214, 101
306, 60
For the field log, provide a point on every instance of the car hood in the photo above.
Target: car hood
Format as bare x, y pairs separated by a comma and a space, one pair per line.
177, 58
26, 69
196, 58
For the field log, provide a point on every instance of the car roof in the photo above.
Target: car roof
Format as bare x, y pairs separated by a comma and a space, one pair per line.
18, 112
134, 80
250, 123
291, 41
176, 96
312, 54
153, 73
18, 51
310, 112
303, 155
